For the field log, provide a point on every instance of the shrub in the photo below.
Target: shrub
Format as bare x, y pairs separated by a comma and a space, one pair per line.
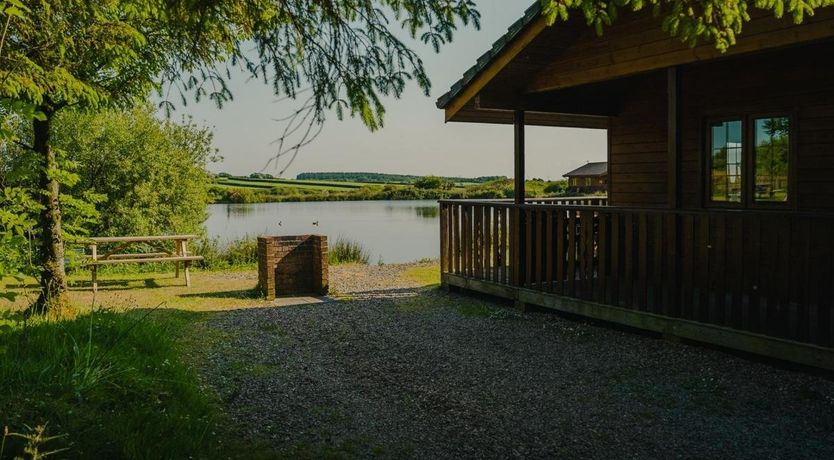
238, 195
432, 183
345, 251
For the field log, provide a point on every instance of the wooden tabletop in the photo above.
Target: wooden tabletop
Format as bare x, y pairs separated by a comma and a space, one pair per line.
139, 239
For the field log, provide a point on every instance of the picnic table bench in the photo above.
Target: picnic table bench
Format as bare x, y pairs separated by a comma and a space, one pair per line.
116, 254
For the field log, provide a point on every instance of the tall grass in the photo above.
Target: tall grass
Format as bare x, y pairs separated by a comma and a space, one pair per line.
345, 251
103, 385
238, 253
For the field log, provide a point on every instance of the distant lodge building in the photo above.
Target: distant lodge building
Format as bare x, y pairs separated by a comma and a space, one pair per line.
589, 178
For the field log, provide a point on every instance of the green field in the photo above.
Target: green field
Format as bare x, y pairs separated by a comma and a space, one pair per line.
284, 184
238, 189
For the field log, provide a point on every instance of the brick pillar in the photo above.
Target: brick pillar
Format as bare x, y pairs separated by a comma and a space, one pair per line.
292, 265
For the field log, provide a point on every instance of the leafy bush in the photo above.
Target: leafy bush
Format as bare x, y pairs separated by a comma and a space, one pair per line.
151, 173
432, 183
345, 251
234, 195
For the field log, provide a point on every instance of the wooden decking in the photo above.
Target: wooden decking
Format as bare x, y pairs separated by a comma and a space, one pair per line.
757, 281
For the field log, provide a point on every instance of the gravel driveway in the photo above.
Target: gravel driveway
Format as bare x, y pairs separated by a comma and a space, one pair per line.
402, 371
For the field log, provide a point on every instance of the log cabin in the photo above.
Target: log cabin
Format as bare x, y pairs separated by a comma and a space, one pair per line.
588, 178
719, 221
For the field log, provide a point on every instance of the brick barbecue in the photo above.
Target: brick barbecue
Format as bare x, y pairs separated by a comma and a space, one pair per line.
292, 265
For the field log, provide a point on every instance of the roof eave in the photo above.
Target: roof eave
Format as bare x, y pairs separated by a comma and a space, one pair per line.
518, 36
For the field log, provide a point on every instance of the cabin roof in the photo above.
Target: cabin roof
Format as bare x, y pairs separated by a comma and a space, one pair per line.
530, 14
599, 168
567, 75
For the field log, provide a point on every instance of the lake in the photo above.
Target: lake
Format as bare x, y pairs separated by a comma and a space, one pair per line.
393, 231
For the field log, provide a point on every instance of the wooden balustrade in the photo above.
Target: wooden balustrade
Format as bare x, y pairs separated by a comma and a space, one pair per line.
770, 273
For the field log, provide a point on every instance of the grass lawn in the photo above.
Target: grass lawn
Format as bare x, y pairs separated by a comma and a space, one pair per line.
114, 381
118, 380
209, 291
109, 384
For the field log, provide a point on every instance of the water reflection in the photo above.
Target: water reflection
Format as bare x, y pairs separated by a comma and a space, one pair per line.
238, 209
427, 212
395, 231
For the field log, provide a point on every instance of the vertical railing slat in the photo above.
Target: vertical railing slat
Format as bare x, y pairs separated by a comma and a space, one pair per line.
561, 251
642, 261
602, 256
616, 266
688, 268
539, 248
571, 272
548, 276
628, 260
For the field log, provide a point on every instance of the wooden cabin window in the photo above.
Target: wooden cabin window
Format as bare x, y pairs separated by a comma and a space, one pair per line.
726, 161
772, 151
749, 161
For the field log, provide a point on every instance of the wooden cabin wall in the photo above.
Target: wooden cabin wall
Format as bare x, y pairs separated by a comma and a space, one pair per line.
797, 81
637, 153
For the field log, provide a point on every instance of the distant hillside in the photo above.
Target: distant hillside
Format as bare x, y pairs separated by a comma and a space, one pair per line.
380, 178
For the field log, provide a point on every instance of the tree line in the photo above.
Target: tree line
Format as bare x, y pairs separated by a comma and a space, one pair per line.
382, 178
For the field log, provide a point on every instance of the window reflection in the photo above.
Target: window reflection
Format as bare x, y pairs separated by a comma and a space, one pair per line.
772, 141
726, 150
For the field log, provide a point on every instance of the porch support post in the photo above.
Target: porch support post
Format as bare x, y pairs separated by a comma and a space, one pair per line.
673, 238
518, 122
518, 243
673, 137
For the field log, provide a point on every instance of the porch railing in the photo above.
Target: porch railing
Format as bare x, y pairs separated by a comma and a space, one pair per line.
770, 273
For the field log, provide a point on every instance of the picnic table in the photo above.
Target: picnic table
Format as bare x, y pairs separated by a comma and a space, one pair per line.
117, 255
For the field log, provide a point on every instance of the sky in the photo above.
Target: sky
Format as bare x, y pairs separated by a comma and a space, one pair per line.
415, 139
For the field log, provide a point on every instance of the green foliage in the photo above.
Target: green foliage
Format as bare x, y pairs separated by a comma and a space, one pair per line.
261, 176
111, 385
122, 172
149, 174
113, 52
236, 254
714, 21
16, 227
381, 178
99, 54
18, 195
496, 189
433, 183
557, 188
233, 195
345, 251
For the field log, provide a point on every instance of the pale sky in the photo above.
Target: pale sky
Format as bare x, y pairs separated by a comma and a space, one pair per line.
415, 139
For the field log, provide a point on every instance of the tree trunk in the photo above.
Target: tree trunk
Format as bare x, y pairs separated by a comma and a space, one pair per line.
53, 296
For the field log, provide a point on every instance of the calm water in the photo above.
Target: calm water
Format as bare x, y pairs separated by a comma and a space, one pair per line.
396, 231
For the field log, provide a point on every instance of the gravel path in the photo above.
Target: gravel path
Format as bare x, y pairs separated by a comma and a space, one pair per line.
401, 371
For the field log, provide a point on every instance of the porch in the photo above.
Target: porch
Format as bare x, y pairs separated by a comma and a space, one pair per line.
756, 281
